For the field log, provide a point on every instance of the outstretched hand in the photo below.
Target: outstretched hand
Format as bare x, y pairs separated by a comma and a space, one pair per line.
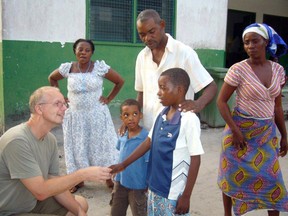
116, 168
96, 173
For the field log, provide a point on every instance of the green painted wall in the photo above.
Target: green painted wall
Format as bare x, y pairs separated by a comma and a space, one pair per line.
211, 58
27, 64
2, 113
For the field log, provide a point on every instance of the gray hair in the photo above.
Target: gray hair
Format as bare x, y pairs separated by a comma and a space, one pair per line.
148, 14
39, 95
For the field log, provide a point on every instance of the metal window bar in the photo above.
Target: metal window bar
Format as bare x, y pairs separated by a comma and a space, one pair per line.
113, 20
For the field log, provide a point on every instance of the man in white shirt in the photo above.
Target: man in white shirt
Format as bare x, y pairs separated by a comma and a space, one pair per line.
161, 53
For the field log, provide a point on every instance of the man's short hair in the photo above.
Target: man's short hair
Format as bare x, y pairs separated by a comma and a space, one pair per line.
148, 14
38, 96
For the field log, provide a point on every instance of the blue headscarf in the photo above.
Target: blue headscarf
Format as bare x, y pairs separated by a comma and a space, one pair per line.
276, 46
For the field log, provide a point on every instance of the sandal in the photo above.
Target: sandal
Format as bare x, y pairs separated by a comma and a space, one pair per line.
76, 187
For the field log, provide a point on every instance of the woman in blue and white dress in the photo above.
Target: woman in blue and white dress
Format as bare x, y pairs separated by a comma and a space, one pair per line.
89, 133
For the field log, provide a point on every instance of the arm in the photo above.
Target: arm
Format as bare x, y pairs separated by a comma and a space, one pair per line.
67, 200
279, 121
118, 81
183, 202
197, 105
43, 188
139, 98
54, 77
137, 153
223, 97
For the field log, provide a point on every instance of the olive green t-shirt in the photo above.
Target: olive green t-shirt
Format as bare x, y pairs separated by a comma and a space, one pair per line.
23, 156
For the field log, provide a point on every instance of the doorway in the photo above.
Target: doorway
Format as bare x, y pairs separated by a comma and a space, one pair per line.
236, 22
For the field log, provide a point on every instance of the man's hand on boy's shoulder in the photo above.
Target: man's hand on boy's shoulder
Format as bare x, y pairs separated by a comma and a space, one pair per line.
116, 168
191, 105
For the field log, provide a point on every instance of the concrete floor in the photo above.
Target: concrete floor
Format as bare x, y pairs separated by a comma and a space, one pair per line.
206, 199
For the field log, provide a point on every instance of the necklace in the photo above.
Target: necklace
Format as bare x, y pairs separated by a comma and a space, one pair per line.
87, 68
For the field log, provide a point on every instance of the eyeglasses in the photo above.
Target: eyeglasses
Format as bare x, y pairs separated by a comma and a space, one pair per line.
59, 104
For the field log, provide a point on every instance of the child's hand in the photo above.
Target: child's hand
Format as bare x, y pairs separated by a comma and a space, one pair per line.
110, 184
183, 205
116, 168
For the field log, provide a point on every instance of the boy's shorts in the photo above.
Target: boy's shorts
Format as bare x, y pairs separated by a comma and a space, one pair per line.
158, 205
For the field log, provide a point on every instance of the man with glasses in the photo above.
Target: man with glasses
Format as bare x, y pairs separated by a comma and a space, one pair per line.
29, 167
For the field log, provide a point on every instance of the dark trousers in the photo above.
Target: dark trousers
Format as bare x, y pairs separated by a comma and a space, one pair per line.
123, 197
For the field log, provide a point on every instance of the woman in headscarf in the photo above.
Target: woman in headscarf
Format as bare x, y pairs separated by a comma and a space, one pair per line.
249, 174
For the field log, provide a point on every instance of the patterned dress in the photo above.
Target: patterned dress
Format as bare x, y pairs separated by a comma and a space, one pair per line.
252, 177
89, 133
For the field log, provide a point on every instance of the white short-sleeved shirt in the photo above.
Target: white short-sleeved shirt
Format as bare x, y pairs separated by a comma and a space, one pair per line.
147, 72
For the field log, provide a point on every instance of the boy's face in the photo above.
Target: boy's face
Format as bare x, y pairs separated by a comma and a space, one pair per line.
168, 94
131, 116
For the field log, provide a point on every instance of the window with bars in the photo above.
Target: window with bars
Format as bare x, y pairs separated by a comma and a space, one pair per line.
115, 20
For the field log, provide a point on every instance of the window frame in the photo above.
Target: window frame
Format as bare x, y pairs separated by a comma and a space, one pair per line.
134, 42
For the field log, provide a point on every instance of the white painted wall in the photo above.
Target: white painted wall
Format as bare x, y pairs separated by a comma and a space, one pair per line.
44, 20
260, 7
202, 24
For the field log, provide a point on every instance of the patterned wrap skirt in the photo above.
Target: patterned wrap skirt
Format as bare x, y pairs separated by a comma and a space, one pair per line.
160, 206
252, 177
